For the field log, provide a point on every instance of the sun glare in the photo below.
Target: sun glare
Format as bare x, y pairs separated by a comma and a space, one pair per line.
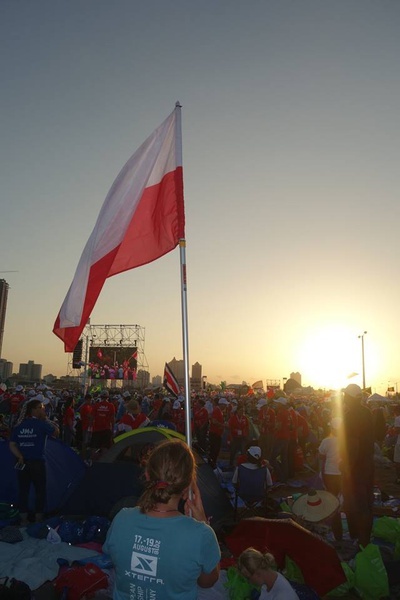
330, 358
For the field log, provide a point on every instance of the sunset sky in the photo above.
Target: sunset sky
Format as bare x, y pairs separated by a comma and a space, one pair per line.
291, 138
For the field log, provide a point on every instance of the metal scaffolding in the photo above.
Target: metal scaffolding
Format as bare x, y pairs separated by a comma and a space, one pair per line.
113, 337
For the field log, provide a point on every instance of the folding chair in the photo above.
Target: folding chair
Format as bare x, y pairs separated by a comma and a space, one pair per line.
251, 488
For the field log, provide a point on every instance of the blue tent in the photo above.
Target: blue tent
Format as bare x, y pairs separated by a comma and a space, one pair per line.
116, 480
65, 469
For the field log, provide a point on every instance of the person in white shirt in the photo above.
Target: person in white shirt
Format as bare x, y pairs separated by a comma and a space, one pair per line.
259, 569
330, 470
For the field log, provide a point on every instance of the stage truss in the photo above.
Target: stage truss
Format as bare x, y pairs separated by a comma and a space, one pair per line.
110, 336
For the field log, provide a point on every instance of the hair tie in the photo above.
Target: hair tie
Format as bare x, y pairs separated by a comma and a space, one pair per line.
161, 485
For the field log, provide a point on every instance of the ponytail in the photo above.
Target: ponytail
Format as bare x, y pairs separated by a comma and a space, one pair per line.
170, 470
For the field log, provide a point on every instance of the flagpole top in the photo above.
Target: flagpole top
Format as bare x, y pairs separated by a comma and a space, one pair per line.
178, 104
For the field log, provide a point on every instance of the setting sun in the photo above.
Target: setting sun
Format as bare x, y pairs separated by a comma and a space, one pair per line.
331, 357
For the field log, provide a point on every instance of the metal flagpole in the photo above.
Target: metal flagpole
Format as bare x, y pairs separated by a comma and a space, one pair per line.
182, 251
188, 428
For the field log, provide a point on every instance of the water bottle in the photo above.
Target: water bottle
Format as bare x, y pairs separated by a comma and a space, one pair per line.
377, 497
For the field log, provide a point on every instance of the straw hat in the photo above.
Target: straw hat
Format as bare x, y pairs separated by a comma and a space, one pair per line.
315, 506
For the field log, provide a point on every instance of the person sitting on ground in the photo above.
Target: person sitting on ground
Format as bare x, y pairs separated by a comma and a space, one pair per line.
259, 569
156, 550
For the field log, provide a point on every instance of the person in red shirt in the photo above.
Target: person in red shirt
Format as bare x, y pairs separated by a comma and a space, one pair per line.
280, 450
133, 418
85, 411
103, 422
238, 425
266, 425
157, 402
201, 421
16, 401
178, 416
303, 431
217, 426
68, 422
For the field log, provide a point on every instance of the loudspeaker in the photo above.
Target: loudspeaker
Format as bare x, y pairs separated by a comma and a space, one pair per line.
77, 355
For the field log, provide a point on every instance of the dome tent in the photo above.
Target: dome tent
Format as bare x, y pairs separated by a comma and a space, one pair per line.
116, 480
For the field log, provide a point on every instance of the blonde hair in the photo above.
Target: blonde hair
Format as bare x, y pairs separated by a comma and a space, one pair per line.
170, 470
252, 560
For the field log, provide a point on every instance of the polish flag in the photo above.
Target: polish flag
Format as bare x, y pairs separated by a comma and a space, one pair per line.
142, 219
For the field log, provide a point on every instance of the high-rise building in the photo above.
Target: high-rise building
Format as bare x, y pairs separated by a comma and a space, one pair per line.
196, 380
3, 308
156, 381
143, 378
6, 369
30, 371
178, 369
296, 376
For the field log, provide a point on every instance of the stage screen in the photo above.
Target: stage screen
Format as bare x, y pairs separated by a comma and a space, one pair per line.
113, 362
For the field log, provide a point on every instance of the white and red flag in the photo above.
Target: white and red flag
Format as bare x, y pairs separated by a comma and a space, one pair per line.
142, 219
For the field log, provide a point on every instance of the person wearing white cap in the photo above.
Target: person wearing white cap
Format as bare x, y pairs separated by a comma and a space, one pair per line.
178, 416
330, 470
357, 466
253, 461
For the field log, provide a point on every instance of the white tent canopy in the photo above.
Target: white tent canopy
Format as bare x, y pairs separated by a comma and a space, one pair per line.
378, 398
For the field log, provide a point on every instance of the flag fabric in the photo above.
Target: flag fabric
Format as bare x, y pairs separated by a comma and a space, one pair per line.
170, 381
351, 375
258, 385
142, 219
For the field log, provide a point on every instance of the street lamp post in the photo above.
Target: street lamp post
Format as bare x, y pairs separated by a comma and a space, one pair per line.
362, 355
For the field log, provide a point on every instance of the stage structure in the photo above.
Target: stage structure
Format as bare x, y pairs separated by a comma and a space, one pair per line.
112, 354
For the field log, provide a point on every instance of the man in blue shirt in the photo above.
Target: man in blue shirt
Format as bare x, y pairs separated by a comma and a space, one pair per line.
27, 443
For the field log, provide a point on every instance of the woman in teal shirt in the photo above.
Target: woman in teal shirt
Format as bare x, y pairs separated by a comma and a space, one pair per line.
157, 551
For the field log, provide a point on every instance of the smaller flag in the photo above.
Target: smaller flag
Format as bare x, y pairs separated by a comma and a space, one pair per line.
170, 381
351, 375
258, 385
134, 355
99, 354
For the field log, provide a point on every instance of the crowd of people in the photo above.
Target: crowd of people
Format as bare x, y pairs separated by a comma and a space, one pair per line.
335, 438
